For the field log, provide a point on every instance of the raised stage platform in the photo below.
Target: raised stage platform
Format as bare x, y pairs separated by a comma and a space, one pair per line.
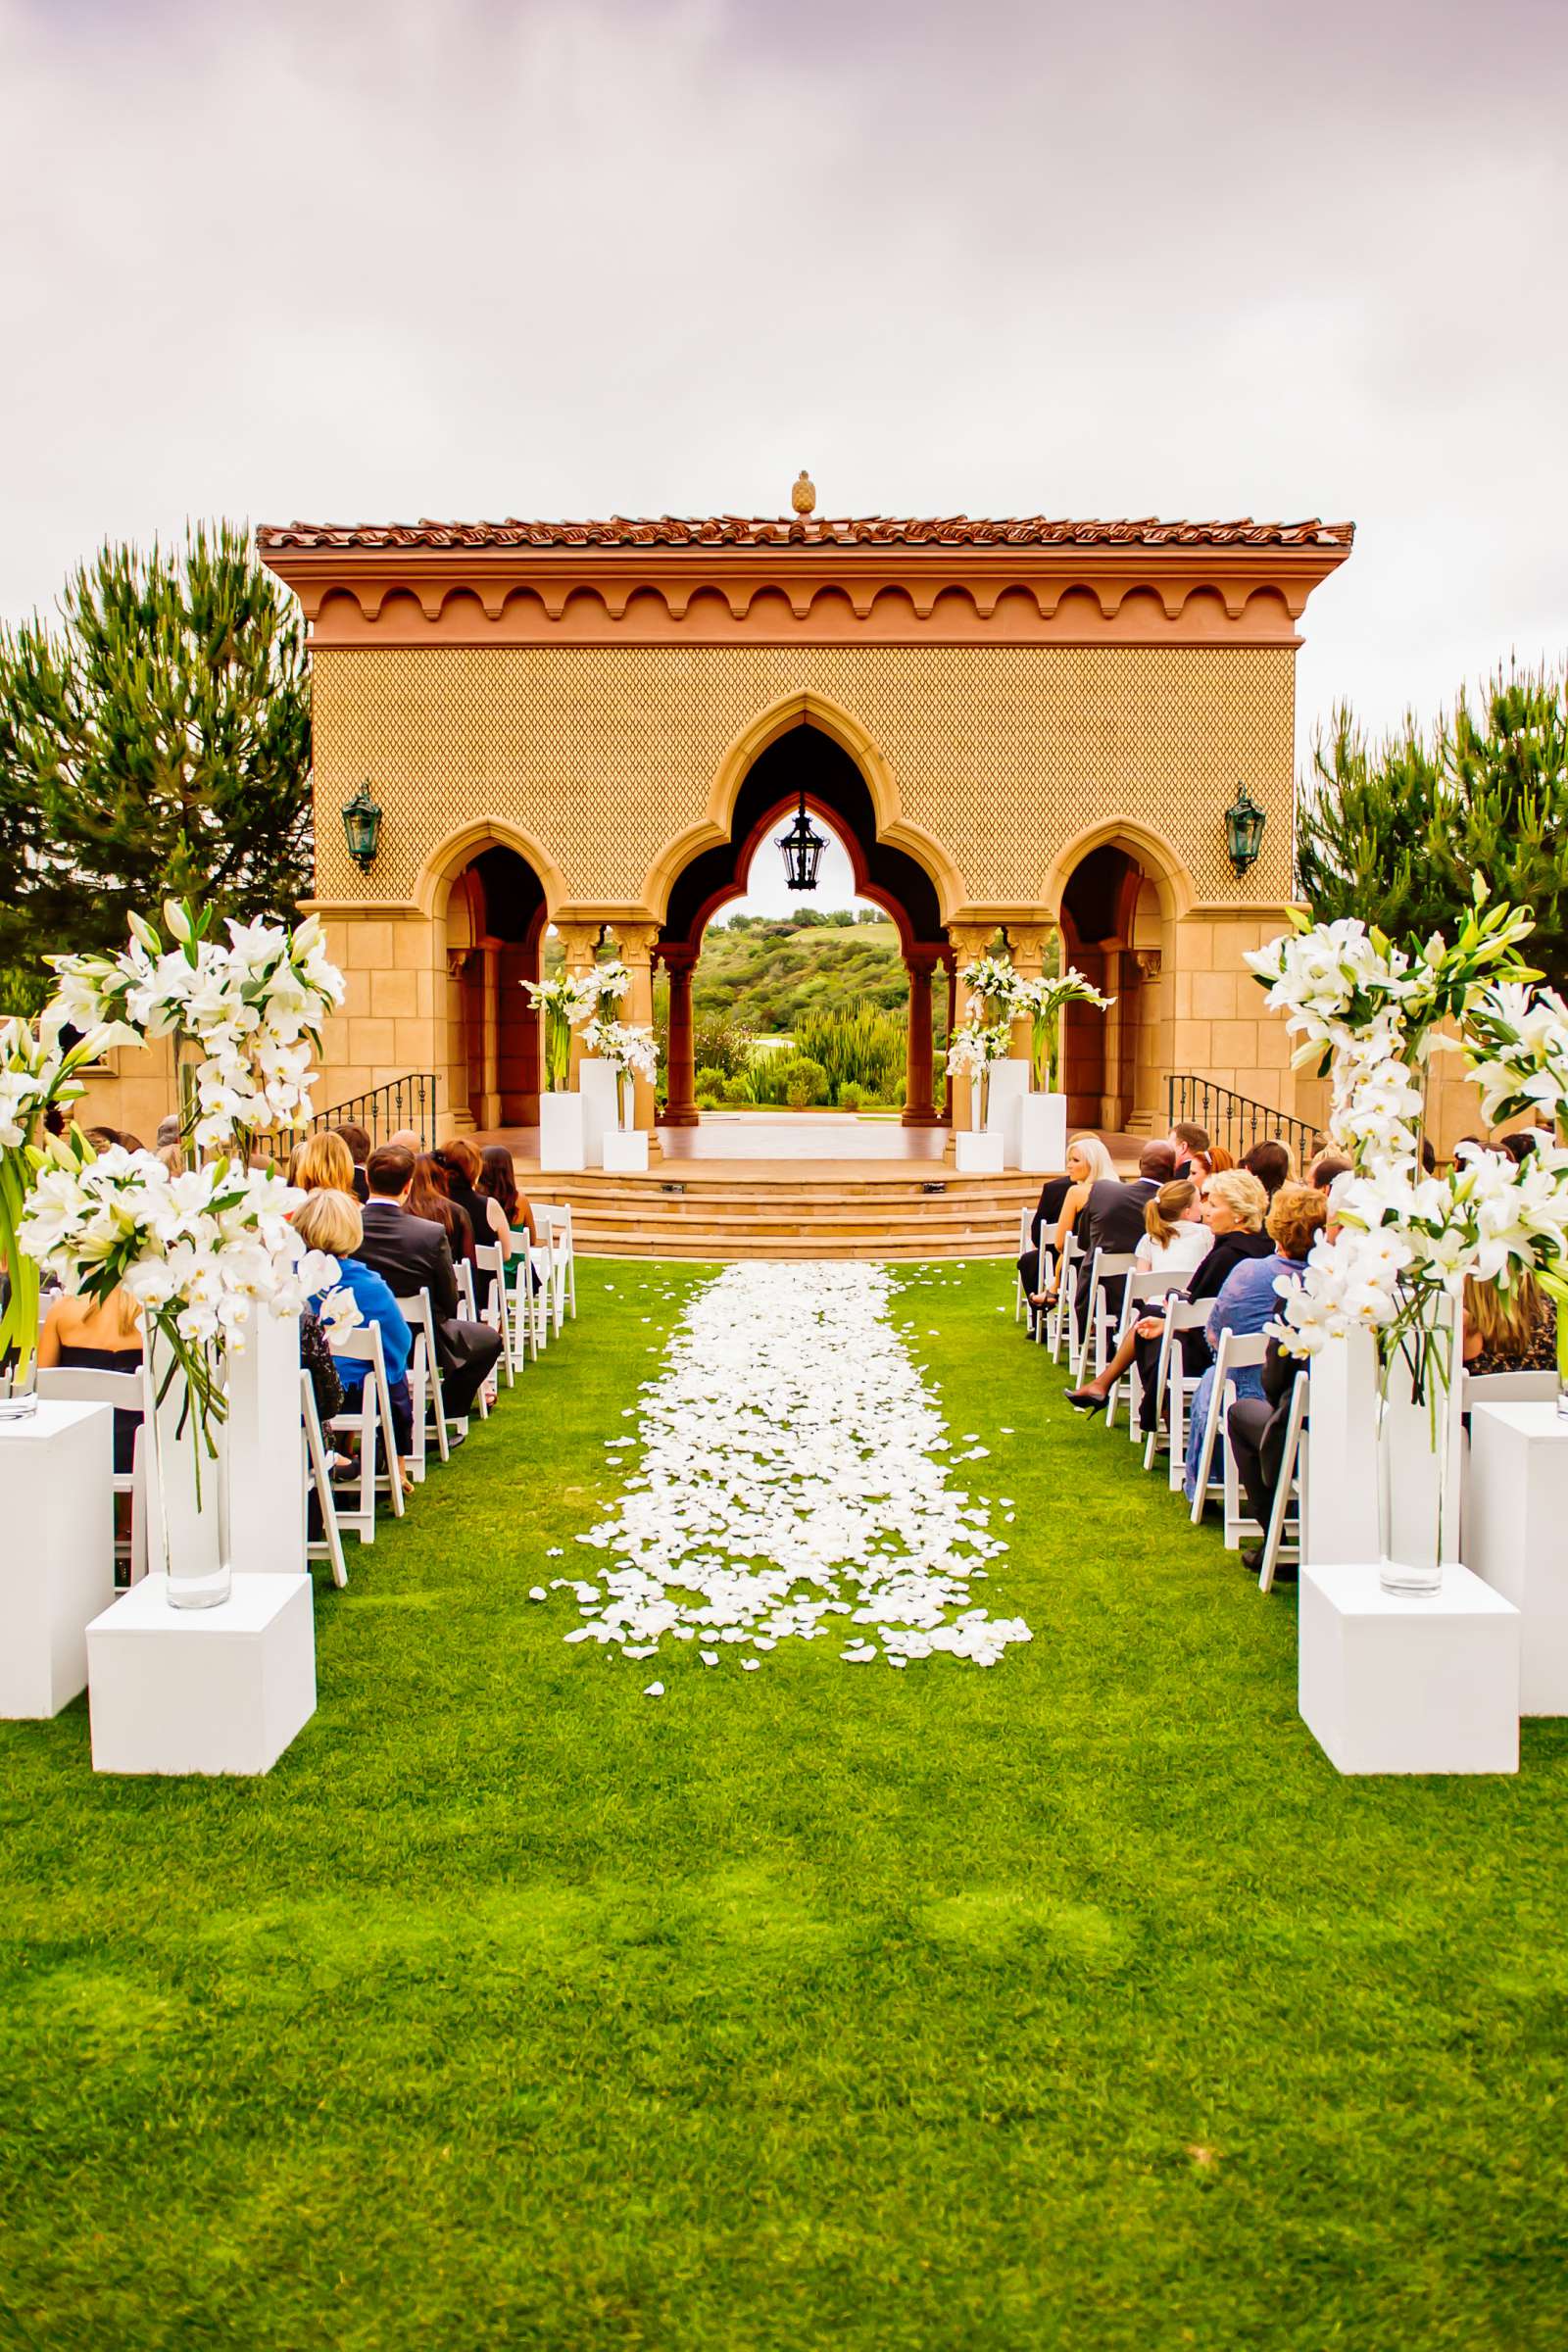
790, 1185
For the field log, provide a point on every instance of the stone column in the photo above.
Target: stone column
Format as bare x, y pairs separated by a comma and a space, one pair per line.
1113, 1115
579, 944
919, 1107
490, 1044
968, 941
680, 1108
637, 944
1026, 944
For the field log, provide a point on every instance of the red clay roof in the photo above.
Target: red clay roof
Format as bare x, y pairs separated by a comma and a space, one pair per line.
793, 530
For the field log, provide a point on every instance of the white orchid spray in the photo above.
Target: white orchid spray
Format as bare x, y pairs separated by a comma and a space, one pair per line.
972, 1050
253, 1009
993, 983
1045, 1000
200, 1253
565, 1002
628, 1049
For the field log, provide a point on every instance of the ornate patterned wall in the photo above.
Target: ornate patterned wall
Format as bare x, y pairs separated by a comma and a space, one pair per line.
604, 754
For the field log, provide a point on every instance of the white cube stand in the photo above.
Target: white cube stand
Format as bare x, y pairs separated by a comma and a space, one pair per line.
601, 1109
265, 1458
978, 1155
1340, 1516
625, 1150
202, 1691
1043, 1134
1392, 1684
561, 1147
57, 1551
1007, 1090
1516, 1537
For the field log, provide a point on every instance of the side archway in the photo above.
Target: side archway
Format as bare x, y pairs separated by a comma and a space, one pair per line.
490, 917
1119, 891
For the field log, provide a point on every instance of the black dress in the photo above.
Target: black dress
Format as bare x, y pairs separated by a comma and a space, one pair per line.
125, 1361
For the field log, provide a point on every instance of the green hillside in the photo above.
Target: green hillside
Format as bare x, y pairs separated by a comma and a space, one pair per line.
765, 973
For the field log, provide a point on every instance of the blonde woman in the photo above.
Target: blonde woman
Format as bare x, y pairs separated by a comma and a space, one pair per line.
323, 1163
1087, 1164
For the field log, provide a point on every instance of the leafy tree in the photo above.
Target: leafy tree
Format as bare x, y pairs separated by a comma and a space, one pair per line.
155, 743
1394, 834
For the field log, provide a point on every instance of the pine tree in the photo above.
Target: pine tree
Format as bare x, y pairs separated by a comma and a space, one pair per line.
155, 742
1396, 834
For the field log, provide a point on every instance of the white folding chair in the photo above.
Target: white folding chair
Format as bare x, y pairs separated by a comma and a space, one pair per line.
372, 1426
1287, 1492
495, 1309
1177, 1385
1026, 1242
527, 1301
1093, 1344
329, 1544
1506, 1388
1061, 1314
468, 1306
69, 1385
1141, 1289
1237, 1351
556, 1223
425, 1381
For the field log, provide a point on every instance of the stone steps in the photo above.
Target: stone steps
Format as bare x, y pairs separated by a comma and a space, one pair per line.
837, 1213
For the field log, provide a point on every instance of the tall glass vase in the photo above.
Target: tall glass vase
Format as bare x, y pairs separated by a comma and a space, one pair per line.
18, 1323
189, 1490
1417, 1481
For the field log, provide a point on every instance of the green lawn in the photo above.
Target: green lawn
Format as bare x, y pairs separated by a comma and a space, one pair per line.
1074, 2003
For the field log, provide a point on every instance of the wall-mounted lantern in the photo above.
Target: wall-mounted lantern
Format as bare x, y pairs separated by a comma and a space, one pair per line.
1243, 829
362, 828
803, 848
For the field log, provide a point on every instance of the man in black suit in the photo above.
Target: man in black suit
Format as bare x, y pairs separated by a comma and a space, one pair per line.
1052, 1193
1112, 1220
410, 1255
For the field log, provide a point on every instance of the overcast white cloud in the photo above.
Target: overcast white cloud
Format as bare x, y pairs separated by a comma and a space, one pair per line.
351, 261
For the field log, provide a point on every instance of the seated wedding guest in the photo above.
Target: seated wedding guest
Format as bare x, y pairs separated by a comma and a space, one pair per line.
1087, 1164
1327, 1165
1188, 1142
1175, 1237
1112, 1220
359, 1144
413, 1255
1216, 1161
1249, 1299
463, 1166
405, 1139
1255, 1431
1235, 1205
168, 1132
430, 1195
1516, 1334
498, 1183
321, 1163
1429, 1157
1047, 1215
1270, 1162
172, 1158
331, 1219
1519, 1144
81, 1335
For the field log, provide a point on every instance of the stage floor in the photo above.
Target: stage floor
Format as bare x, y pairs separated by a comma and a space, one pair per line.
790, 1144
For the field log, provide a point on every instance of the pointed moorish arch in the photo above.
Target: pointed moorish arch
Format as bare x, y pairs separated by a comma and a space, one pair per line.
1159, 860
1119, 890
449, 859
841, 727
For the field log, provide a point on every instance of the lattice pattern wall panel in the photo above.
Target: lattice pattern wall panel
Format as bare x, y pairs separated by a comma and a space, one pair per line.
604, 755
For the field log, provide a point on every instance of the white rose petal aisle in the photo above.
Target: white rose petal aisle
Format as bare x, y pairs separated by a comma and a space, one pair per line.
793, 1482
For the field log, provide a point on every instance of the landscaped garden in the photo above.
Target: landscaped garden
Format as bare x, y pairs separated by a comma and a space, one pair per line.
1077, 2002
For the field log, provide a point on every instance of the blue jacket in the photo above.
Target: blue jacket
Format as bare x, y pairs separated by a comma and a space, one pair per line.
376, 1305
1247, 1302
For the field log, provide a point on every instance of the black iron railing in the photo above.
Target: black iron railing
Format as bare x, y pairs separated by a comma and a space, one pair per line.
402, 1102
1239, 1124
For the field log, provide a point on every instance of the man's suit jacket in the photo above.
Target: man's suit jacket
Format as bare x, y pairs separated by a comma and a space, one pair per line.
1113, 1219
409, 1254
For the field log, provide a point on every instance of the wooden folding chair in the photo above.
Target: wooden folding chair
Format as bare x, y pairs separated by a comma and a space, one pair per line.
468, 1304
1061, 1317
424, 1383
1237, 1351
495, 1309
1287, 1492
1177, 1385
1093, 1348
557, 1221
372, 1425
68, 1384
329, 1544
1141, 1289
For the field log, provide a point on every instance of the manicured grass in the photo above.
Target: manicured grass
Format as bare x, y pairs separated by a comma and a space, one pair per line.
1073, 2003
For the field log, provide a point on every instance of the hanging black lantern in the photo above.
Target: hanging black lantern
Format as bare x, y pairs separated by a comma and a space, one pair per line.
1243, 829
361, 827
803, 848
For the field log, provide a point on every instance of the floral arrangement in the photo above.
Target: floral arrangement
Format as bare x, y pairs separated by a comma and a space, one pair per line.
565, 1002
628, 1050
1044, 999
993, 983
972, 1050
253, 1009
37, 1075
606, 985
1368, 1013
199, 1253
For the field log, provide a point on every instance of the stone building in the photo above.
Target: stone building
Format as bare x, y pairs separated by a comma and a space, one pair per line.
1016, 724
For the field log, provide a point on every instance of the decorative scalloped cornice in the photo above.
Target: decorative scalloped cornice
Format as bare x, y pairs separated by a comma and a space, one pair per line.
793, 532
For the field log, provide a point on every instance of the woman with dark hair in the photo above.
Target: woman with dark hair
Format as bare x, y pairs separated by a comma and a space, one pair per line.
498, 1185
429, 1197
460, 1159
1270, 1162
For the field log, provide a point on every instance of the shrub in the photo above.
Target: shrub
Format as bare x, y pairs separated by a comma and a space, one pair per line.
861, 1045
805, 1082
709, 1081
721, 1045
851, 1096
707, 1101
738, 1089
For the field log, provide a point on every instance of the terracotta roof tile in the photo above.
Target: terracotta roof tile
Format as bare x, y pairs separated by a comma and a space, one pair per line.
793, 530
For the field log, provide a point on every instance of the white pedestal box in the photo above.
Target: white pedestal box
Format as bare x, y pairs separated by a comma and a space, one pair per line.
1340, 1518
202, 1691
1516, 1537
265, 1458
1388, 1684
978, 1155
601, 1109
1043, 1134
625, 1150
561, 1147
1009, 1086
57, 1550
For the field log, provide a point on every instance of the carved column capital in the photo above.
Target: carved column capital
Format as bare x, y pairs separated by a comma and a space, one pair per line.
636, 942
579, 944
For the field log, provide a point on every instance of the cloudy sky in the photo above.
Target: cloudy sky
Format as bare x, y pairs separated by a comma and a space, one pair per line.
473, 258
